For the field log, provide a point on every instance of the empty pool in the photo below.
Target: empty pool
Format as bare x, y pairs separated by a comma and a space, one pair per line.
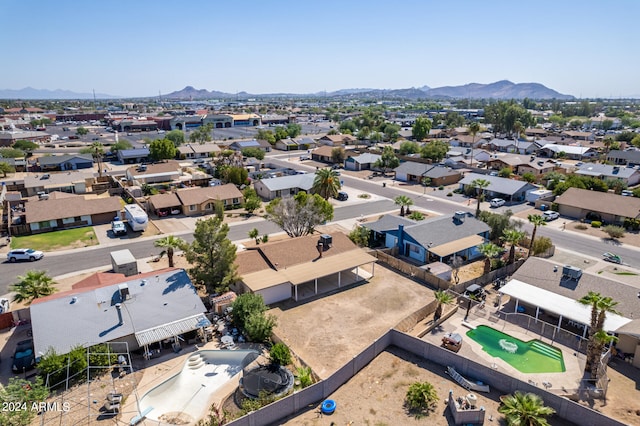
187, 395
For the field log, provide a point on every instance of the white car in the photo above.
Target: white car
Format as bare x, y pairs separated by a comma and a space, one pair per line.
497, 202
24, 254
550, 215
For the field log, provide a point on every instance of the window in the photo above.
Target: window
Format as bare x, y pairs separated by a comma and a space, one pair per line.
193, 208
236, 201
208, 206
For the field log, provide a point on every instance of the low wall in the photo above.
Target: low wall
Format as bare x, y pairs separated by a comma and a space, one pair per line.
410, 321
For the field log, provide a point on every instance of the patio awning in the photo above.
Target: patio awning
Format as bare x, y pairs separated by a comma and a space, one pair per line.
559, 305
455, 246
166, 331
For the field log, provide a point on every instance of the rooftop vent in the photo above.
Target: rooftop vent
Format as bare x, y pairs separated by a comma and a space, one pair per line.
571, 272
459, 216
326, 240
124, 291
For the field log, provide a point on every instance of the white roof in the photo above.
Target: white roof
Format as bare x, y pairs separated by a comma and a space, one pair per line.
559, 305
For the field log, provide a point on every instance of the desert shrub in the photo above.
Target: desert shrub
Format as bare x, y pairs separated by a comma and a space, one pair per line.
614, 231
541, 244
421, 398
441, 187
596, 224
280, 354
416, 216
365, 196
304, 375
449, 194
633, 224
581, 226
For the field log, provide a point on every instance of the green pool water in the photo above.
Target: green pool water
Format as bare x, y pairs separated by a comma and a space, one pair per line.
533, 356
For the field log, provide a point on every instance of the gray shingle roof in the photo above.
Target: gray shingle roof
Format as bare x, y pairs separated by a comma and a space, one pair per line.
444, 229
498, 184
388, 222
366, 158
596, 169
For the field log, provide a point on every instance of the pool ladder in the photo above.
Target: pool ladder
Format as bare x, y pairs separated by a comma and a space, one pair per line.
196, 361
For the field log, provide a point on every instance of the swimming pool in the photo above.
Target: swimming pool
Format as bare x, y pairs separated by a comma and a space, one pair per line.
188, 395
533, 356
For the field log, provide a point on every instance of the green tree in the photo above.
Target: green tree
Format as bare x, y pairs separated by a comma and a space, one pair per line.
505, 172
25, 145
421, 398
281, 133
253, 152
489, 251
453, 119
499, 222
474, 128
529, 177
536, 220
254, 234
326, 183
294, 130
202, 134
403, 201
249, 315
479, 185
6, 168
162, 149
442, 298
81, 131
235, 174
387, 161
21, 393
434, 151
259, 327
212, 255
122, 144
513, 238
32, 285
409, 147
175, 136
266, 135
11, 153
338, 155
525, 409
421, 128
169, 244
252, 204
280, 354
299, 215
360, 235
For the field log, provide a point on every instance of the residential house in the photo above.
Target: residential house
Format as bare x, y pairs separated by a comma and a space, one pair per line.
60, 210
337, 140
165, 204
140, 310
535, 132
569, 151
192, 151
546, 291
436, 239
410, 171
154, 173
594, 205
305, 143
132, 156
284, 186
629, 175
301, 267
512, 146
508, 189
386, 223
536, 166
579, 136
240, 145
65, 162
467, 141
599, 121
72, 182
198, 201
287, 144
624, 158
323, 154
361, 162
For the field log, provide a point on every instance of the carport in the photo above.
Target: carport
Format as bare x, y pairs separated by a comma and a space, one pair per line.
563, 307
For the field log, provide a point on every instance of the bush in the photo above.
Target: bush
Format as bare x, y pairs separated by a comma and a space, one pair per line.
581, 226
614, 231
416, 216
441, 187
541, 244
421, 398
596, 224
280, 354
449, 194
633, 224
304, 375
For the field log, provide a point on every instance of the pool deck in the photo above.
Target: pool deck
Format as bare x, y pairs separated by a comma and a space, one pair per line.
560, 382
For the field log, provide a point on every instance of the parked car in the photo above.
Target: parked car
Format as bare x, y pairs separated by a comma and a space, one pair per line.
24, 357
342, 196
24, 254
118, 228
550, 215
474, 291
627, 193
497, 202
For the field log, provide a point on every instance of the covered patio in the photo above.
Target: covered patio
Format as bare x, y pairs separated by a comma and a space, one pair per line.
462, 247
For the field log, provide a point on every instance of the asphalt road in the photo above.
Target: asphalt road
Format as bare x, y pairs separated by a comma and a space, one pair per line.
63, 263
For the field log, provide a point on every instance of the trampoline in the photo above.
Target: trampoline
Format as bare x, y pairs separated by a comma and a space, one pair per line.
269, 379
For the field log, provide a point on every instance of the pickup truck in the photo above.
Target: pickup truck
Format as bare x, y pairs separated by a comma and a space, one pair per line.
118, 228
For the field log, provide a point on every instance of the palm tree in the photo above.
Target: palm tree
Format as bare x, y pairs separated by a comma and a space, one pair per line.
479, 185
525, 409
489, 251
442, 298
402, 201
600, 306
536, 220
169, 244
32, 285
513, 237
474, 128
421, 397
326, 183
598, 341
97, 151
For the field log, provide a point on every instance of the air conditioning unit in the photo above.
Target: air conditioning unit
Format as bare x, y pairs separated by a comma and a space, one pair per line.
571, 272
326, 240
459, 216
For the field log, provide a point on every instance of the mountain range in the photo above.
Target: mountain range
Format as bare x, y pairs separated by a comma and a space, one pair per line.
499, 90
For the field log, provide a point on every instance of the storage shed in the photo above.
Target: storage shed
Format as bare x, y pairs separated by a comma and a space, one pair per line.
123, 262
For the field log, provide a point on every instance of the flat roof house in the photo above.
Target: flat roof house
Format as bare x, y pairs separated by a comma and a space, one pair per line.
72, 182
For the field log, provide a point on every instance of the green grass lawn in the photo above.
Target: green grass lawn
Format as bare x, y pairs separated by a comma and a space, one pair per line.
57, 240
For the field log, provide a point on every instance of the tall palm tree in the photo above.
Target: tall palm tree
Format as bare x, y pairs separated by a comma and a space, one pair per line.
592, 299
599, 340
97, 151
513, 237
479, 185
403, 201
32, 285
600, 306
169, 244
442, 298
525, 409
489, 251
474, 128
326, 183
536, 220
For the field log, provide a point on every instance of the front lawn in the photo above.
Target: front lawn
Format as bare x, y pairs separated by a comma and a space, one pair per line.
57, 240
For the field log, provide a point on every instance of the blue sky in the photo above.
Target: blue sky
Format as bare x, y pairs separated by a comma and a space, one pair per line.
140, 47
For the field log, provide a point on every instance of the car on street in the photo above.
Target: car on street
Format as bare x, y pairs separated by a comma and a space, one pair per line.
627, 193
497, 202
611, 257
24, 357
24, 254
550, 215
342, 196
